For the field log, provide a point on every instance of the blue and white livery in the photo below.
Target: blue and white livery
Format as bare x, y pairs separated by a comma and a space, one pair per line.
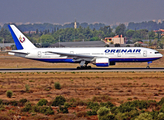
101, 57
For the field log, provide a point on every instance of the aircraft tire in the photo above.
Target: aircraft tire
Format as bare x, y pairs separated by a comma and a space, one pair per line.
84, 67
78, 67
89, 67
148, 67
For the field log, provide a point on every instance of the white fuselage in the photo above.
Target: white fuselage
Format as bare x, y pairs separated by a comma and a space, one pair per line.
115, 54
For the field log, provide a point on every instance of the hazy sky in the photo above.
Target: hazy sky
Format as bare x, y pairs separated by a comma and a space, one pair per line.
62, 11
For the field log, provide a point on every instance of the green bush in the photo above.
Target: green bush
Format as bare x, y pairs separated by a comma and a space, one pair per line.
9, 93
143, 104
63, 109
133, 113
90, 113
57, 85
107, 104
155, 114
124, 108
23, 101
144, 116
103, 111
122, 116
161, 101
27, 87
49, 111
14, 103
136, 103
94, 106
42, 102
127, 115
103, 114
43, 109
1, 102
27, 107
162, 108
59, 100
67, 105
161, 116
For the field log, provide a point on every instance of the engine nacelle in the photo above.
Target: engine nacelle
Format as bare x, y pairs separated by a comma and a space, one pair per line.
103, 62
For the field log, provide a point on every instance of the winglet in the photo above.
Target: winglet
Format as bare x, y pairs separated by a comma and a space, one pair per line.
21, 41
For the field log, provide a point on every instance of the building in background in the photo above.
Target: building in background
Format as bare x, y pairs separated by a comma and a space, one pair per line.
161, 31
115, 40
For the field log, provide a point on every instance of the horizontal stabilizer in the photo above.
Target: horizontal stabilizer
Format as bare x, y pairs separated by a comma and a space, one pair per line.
18, 52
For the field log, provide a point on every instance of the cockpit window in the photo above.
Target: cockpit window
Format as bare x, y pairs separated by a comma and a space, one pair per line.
156, 52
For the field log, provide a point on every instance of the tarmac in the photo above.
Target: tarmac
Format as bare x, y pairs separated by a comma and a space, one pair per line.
81, 70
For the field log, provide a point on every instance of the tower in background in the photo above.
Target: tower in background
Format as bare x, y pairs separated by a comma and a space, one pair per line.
75, 25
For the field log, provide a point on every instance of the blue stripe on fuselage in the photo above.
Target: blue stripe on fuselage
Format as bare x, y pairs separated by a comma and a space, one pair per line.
133, 59
70, 60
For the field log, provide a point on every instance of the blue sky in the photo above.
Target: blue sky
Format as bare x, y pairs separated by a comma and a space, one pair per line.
62, 11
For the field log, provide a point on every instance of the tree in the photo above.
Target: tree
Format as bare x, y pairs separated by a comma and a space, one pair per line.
88, 33
136, 35
129, 34
120, 30
47, 39
80, 30
143, 33
94, 39
106, 29
151, 34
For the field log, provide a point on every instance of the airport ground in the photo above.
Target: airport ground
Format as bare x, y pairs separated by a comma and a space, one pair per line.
116, 87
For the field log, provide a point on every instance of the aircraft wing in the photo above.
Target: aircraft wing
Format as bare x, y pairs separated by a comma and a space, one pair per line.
74, 56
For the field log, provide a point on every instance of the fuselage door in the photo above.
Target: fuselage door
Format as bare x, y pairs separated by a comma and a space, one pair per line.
71, 52
145, 53
119, 54
39, 54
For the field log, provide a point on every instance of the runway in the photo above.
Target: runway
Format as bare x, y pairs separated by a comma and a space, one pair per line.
81, 70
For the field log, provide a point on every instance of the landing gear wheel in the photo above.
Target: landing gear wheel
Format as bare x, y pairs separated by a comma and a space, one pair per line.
89, 67
147, 67
84, 67
78, 68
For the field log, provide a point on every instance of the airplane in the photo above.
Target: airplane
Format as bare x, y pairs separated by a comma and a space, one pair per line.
99, 56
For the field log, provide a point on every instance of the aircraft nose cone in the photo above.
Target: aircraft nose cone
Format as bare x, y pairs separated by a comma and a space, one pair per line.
161, 55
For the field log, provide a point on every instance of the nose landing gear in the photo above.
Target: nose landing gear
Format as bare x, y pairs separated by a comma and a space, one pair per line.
148, 64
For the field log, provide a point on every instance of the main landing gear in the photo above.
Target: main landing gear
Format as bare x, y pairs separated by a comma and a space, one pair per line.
83, 65
148, 64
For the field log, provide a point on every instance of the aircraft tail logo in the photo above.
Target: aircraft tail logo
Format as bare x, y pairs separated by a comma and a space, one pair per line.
21, 39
